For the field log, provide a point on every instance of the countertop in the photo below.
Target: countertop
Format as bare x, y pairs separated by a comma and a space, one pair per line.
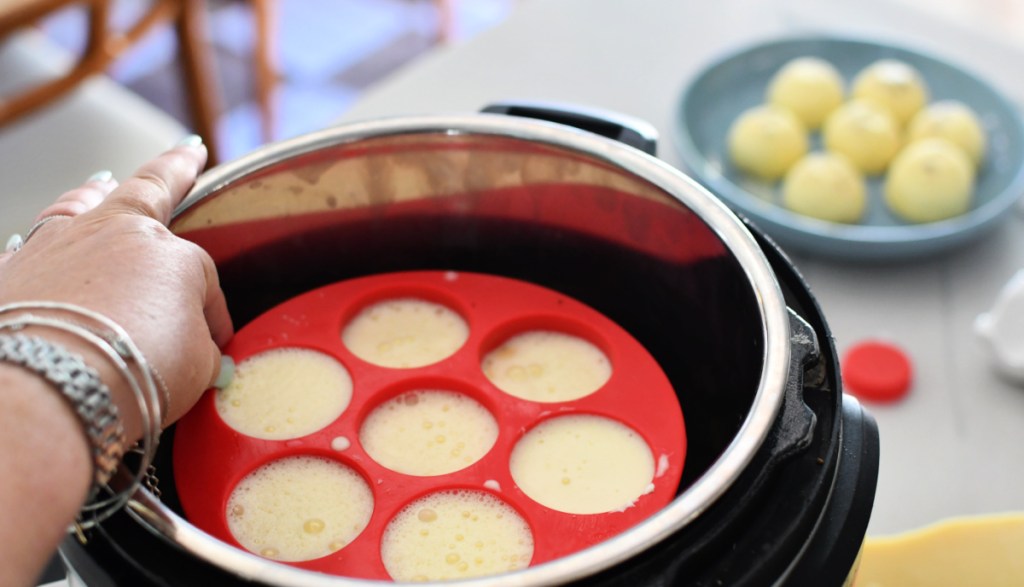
955, 445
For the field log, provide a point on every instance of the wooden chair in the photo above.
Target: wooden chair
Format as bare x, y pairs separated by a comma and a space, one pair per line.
188, 17
97, 125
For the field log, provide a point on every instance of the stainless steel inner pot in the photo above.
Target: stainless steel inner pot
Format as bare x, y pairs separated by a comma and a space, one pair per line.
460, 192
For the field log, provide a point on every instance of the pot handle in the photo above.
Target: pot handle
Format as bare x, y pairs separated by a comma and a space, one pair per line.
632, 131
796, 419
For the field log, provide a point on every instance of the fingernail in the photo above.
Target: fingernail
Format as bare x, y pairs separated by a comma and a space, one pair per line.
227, 372
190, 141
101, 176
14, 243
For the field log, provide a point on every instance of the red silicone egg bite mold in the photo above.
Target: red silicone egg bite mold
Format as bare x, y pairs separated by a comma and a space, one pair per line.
211, 457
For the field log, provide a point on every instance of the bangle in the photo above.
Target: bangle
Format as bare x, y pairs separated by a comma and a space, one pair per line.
119, 349
81, 387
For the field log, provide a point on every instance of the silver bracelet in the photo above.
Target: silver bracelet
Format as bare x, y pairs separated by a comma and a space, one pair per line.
84, 391
117, 338
119, 349
148, 407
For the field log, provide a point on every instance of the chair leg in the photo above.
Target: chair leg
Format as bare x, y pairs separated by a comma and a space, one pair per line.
446, 18
266, 67
198, 69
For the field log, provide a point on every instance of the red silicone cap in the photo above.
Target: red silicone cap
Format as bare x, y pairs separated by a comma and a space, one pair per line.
876, 371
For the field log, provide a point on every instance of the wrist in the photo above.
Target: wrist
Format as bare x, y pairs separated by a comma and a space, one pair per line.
47, 471
82, 390
46, 424
139, 393
113, 353
120, 393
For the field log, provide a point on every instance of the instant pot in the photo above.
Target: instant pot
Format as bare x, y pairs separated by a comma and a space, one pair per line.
781, 466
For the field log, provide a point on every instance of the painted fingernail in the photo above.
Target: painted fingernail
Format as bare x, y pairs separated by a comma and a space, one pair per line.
14, 243
190, 141
101, 176
227, 372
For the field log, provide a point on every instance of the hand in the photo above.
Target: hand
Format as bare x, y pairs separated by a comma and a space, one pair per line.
114, 255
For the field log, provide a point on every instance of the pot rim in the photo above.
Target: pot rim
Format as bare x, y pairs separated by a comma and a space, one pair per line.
686, 507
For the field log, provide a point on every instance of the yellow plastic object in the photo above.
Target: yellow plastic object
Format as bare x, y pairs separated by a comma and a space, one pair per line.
984, 551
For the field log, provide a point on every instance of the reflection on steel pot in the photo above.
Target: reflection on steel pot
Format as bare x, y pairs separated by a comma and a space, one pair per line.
781, 467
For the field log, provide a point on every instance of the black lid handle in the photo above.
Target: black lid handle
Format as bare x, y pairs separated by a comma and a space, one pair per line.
632, 131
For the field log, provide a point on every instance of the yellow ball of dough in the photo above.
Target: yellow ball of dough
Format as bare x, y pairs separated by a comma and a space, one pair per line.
765, 141
825, 186
809, 87
951, 120
863, 133
893, 85
930, 180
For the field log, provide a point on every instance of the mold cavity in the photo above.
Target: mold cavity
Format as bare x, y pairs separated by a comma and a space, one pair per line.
546, 366
285, 393
455, 535
428, 432
582, 464
299, 508
404, 333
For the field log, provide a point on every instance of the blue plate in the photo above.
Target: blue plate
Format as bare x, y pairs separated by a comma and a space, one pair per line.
715, 97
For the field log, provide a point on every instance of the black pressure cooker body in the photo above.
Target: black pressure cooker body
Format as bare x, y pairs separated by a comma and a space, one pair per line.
781, 467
